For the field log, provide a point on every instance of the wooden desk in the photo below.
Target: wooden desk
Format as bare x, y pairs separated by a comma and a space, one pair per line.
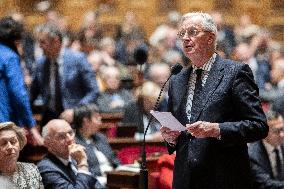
130, 180
111, 118
122, 180
119, 143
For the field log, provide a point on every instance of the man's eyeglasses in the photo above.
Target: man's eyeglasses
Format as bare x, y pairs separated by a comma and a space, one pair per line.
277, 130
63, 135
191, 32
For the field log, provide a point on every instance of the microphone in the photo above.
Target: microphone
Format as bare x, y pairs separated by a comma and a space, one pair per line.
140, 54
143, 176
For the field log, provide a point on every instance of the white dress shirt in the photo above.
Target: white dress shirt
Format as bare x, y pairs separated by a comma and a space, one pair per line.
192, 80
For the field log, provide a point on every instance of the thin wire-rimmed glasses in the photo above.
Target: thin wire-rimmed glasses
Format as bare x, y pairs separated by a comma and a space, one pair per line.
191, 32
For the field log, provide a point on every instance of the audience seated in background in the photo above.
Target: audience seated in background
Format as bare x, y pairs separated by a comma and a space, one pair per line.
225, 34
146, 99
99, 153
65, 165
113, 99
266, 156
159, 73
260, 68
15, 174
276, 91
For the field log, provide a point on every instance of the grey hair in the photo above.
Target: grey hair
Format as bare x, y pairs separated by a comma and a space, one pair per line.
51, 30
207, 22
45, 132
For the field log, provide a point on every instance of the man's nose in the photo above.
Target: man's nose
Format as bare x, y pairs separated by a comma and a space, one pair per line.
10, 146
281, 134
69, 138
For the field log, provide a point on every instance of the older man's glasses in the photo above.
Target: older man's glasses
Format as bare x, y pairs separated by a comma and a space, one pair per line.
63, 135
277, 130
191, 32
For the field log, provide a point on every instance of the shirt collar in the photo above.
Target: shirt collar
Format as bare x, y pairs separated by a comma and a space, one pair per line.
207, 66
269, 147
64, 161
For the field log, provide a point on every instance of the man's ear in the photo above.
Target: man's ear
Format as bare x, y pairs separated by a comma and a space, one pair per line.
46, 142
211, 38
85, 121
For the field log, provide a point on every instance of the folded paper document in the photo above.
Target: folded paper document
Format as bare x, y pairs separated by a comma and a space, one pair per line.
168, 120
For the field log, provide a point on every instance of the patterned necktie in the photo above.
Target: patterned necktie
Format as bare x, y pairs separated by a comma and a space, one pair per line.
196, 102
279, 165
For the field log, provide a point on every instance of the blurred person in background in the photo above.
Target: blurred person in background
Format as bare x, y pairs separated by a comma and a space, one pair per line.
14, 100
260, 68
225, 34
266, 156
276, 89
64, 78
101, 158
113, 99
20, 175
138, 112
159, 73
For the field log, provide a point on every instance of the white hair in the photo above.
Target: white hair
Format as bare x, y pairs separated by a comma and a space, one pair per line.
45, 132
6, 183
207, 22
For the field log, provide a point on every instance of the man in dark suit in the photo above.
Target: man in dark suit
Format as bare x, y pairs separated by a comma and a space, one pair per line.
65, 165
101, 158
267, 170
63, 78
217, 100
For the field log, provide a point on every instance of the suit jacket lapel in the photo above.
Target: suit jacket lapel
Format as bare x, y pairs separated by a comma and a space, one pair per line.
264, 158
182, 87
59, 164
215, 76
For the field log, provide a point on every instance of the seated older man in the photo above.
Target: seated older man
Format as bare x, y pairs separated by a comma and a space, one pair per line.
65, 165
15, 174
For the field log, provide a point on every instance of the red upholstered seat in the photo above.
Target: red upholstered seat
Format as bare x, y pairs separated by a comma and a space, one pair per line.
163, 178
129, 154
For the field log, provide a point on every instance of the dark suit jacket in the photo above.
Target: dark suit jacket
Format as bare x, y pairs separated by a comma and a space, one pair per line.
55, 176
229, 98
101, 143
261, 167
77, 80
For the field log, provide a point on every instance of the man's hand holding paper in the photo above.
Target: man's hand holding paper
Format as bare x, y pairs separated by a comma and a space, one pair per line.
169, 135
171, 127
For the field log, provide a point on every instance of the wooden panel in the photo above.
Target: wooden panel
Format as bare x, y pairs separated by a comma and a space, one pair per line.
119, 143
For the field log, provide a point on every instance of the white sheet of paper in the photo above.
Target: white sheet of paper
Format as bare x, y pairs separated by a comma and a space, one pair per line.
168, 120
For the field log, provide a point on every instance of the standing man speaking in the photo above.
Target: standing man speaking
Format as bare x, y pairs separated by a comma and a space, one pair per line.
217, 100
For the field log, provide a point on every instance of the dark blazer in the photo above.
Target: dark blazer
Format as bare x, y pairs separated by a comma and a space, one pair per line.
77, 80
55, 176
261, 167
101, 143
230, 98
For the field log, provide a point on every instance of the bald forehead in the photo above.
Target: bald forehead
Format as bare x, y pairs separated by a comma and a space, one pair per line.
55, 126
